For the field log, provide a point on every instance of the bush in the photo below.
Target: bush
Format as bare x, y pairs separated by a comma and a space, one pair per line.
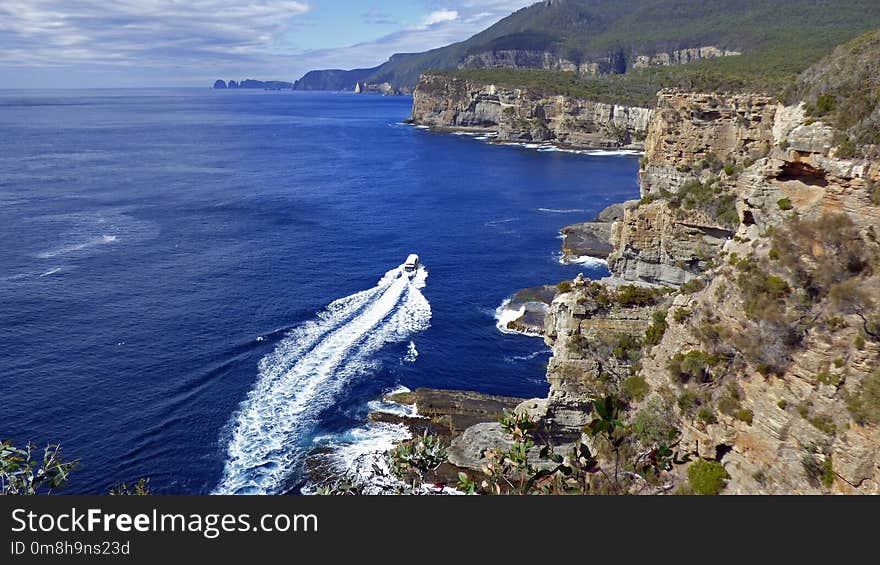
706, 416
652, 425
745, 415
564, 287
628, 348
785, 204
632, 295
707, 478
762, 293
865, 404
681, 315
692, 286
635, 387
24, 471
658, 327
694, 365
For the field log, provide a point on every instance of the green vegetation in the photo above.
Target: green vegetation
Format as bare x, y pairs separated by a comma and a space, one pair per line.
707, 477
419, 456
564, 287
745, 415
24, 471
635, 388
864, 405
693, 365
140, 488
843, 90
693, 286
657, 329
710, 197
632, 295
681, 315
628, 348
819, 466
785, 204
706, 416
652, 424
775, 50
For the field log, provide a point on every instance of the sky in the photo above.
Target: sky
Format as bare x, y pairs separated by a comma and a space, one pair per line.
142, 43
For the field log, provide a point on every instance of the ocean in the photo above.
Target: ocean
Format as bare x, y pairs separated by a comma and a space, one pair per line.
201, 286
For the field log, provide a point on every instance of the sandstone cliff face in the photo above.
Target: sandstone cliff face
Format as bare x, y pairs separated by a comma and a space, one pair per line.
520, 115
618, 62
584, 335
793, 429
691, 132
692, 138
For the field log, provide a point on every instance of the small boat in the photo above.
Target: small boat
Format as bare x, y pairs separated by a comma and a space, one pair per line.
412, 263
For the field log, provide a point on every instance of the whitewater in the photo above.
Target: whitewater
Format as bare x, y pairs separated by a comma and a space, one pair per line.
305, 373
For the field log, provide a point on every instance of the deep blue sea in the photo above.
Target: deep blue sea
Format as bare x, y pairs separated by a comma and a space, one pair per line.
194, 285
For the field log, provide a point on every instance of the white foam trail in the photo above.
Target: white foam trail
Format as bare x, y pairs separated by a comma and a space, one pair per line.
65, 249
51, 272
529, 357
612, 152
558, 211
307, 370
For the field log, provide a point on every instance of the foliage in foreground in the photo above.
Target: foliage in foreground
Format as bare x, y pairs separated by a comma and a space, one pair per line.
23, 471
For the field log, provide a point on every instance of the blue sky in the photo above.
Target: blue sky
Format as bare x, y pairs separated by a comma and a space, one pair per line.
120, 43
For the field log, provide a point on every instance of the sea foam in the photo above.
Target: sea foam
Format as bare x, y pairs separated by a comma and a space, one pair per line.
306, 372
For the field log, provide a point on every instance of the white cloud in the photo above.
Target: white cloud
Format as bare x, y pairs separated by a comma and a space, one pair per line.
131, 42
52, 33
440, 16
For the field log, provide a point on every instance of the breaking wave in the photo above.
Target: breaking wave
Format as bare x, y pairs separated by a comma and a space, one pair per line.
306, 372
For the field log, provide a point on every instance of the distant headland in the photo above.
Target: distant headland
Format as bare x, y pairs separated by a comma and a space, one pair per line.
253, 84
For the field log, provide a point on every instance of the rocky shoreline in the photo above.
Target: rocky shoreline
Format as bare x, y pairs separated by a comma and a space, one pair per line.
740, 320
521, 116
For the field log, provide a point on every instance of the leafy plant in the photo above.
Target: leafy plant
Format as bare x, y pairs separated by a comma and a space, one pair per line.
23, 473
140, 488
421, 455
707, 478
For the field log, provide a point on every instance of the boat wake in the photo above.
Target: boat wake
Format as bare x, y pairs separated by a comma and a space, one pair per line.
307, 371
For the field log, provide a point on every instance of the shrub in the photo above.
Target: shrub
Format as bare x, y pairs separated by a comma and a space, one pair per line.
652, 425
706, 416
635, 387
24, 471
687, 401
632, 295
681, 315
707, 478
564, 287
745, 415
692, 286
865, 404
695, 365
628, 348
658, 327
824, 105
422, 454
784, 204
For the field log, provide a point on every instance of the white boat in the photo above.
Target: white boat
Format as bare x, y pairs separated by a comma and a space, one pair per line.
412, 263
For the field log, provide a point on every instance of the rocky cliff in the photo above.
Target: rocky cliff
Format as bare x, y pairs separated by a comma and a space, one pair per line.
443, 101
618, 62
769, 359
